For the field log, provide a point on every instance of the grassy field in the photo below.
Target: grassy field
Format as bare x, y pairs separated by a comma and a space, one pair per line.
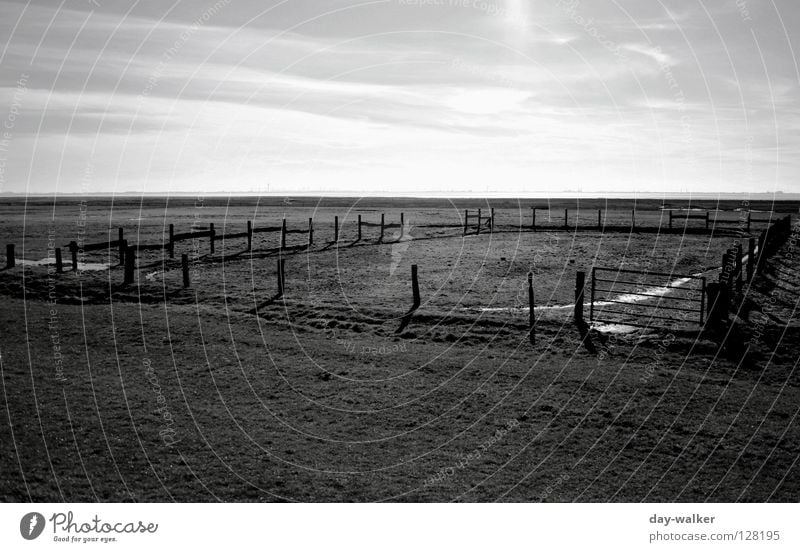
224, 392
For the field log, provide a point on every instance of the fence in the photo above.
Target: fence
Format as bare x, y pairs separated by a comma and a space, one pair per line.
474, 222
736, 266
739, 268
686, 216
646, 298
480, 222
620, 296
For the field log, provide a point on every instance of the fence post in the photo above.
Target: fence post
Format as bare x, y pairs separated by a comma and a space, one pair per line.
121, 248
336, 229
212, 236
466, 221
73, 249
491, 220
738, 267
359, 227
591, 295
185, 269
59, 262
479, 221
130, 261
10, 260
249, 235
283, 234
723, 278
670, 219
402, 224
531, 315
702, 301
751, 253
533, 218
281, 272
171, 241
310, 232
762, 241
706, 220
383, 219
580, 283
566, 213
633, 220
717, 304
748, 220
415, 286
599, 220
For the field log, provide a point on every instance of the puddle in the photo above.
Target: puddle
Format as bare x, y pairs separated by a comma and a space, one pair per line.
86, 267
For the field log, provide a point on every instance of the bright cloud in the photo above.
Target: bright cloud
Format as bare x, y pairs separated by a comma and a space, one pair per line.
338, 96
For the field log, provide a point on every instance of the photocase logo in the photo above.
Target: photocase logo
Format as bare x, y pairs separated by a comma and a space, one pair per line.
31, 525
400, 246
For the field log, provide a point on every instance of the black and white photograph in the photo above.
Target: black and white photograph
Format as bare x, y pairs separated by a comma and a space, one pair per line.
532, 252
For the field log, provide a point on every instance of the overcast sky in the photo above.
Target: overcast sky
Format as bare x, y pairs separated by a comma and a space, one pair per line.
382, 97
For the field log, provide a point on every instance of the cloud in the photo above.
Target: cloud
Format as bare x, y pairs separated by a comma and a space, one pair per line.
653, 52
344, 94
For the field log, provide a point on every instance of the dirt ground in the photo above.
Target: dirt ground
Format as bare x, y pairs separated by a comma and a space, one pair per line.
223, 391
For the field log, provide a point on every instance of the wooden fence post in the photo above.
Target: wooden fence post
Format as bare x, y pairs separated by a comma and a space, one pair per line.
580, 283
670, 219
185, 269
283, 234
415, 286
738, 267
171, 241
402, 224
123, 249
751, 253
748, 220
633, 220
123, 245
130, 262
383, 221
599, 220
479, 222
566, 220
466, 221
121, 240
531, 313
310, 232
491, 220
722, 276
249, 235
10, 260
281, 274
359, 227
73, 249
336, 229
717, 305
533, 218
762, 243
212, 236
59, 261
707, 215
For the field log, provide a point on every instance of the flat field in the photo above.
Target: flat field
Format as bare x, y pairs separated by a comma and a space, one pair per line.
225, 391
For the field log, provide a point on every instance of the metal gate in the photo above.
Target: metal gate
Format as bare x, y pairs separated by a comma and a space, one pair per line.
647, 299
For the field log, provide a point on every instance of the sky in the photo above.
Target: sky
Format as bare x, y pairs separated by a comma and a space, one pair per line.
400, 97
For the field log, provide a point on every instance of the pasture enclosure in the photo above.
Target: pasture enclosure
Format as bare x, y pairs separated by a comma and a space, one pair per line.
374, 239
